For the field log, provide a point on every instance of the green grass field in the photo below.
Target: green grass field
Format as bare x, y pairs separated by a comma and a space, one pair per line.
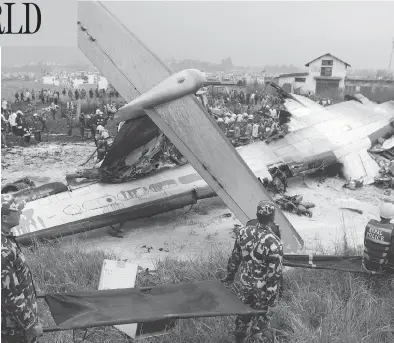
318, 306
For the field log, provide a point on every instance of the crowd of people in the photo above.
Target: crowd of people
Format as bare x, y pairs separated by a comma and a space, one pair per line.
243, 116
248, 117
49, 96
33, 121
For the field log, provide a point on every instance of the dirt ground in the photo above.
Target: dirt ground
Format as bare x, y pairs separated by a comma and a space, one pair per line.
188, 232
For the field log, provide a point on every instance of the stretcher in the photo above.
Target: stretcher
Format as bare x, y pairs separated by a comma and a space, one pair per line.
352, 264
88, 309
166, 303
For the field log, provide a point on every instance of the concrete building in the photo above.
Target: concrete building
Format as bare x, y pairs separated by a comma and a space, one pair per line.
327, 75
77, 83
294, 82
50, 80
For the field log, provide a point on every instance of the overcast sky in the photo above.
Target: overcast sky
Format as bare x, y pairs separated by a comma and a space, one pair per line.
251, 33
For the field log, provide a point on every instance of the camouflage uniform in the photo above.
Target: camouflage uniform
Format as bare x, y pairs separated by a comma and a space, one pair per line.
260, 253
18, 296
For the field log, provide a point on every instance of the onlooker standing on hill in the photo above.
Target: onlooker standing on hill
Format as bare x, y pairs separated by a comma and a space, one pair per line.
43, 119
37, 127
4, 122
12, 121
69, 122
82, 125
4, 104
53, 110
16, 97
55, 97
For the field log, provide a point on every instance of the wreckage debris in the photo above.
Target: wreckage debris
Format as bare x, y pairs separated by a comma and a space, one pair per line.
354, 184
383, 154
352, 209
295, 205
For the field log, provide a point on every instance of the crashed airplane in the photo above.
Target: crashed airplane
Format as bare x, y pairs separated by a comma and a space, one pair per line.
318, 137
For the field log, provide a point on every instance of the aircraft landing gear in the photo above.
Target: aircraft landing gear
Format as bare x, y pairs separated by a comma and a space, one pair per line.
117, 232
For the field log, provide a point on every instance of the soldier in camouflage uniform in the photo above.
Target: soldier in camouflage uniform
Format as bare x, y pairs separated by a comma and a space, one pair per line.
19, 318
260, 252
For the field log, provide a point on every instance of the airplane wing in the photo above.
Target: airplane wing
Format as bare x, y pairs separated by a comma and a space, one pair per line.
344, 131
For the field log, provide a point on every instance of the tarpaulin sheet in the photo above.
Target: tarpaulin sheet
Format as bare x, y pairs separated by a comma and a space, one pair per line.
132, 305
333, 262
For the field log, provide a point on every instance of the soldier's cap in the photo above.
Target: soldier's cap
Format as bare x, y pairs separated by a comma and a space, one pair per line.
10, 204
265, 208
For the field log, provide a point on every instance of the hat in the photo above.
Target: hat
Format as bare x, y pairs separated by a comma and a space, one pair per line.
386, 210
9, 203
35, 115
265, 208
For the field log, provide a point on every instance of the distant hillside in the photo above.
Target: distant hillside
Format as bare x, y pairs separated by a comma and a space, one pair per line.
227, 66
41, 68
